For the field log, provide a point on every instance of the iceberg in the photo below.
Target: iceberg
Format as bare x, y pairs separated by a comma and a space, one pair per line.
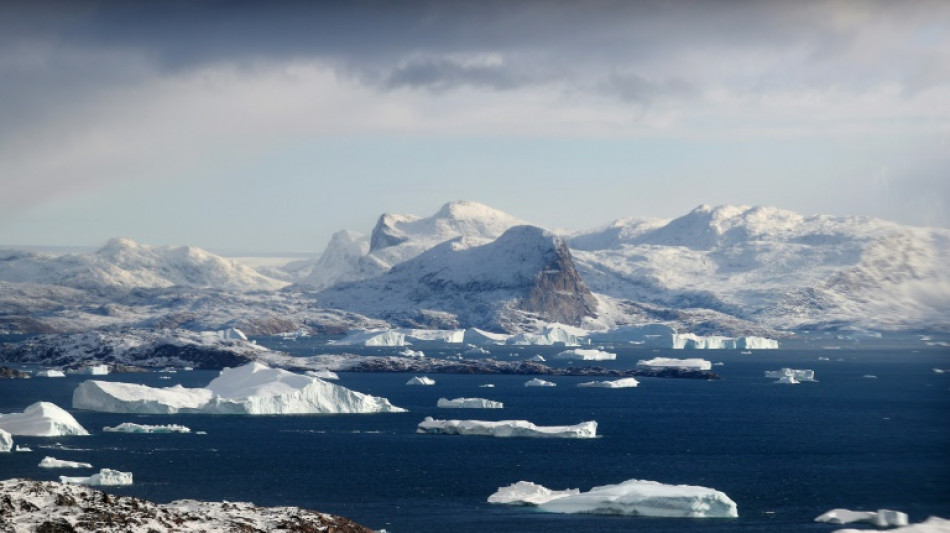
49, 373
42, 419
636, 497
537, 358
253, 389
92, 370
507, 428
130, 427
477, 337
104, 477
538, 382
469, 403
373, 337
6, 441
418, 354
934, 524
790, 375
668, 362
556, 334
22, 448
881, 518
323, 374
622, 383
421, 380
528, 493
52, 462
586, 355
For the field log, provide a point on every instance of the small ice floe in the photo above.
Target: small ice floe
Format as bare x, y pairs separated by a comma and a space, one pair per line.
487, 386
869, 376
19, 448
881, 518
130, 427
52, 462
506, 428
50, 373
622, 383
421, 380
537, 358
538, 382
415, 354
469, 403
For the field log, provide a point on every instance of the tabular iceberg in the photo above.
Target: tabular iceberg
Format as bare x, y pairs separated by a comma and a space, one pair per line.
469, 403
586, 355
632, 498
52, 462
528, 493
42, 419
92, 370
622, 383
421, 381
50, 373
130, 427
881, 518
253, 389
668, 362
538, 382
507, 428
105, 476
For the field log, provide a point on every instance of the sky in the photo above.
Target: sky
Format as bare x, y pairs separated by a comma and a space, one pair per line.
267, 126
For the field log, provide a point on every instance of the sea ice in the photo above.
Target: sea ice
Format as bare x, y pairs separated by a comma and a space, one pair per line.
636, 497
580, 354
507, 428
254, 389
50, 373
881, 518
104, 477
470, 403
538, 382
421, 380
52, 462
668, 362
612, 384
6, 441
130, 427
42, 419
528, 493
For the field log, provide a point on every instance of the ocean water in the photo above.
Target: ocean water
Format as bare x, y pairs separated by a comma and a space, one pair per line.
785, 454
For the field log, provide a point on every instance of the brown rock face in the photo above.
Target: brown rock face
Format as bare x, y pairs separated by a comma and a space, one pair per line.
559, 294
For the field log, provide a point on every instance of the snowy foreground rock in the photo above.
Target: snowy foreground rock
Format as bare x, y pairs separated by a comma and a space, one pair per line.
105, 477
50, 506
253, 389
469, 403
623, 383
631, 498
507, 428
42, 419
131, 427
881, 518
52, 462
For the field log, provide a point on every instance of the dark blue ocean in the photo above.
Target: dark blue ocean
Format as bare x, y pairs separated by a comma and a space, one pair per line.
785, 454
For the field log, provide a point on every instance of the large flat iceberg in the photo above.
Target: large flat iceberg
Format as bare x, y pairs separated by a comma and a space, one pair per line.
507, 428
104, 477
469, 403
42, 419
622, 383
131, 427
253, 389
669, 362
631, 498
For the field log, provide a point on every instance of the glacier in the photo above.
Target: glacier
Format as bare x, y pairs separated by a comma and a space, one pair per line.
41, 419
469, 403
254, 389
105, 477
52, 462
507, 428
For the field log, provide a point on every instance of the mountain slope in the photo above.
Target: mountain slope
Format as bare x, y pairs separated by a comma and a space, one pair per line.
525, 274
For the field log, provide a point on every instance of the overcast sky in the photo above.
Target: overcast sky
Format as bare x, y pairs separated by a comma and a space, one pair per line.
267, 126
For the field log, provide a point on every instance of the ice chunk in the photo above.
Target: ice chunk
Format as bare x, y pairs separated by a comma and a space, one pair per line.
612, 384
6, 441
487, 386
507, 428
232, 334
647, 498
50, 373
130, 427
470, 403
254, 389
881, 518
374, 337
42, 419
23, 448
418, 354
795, 375
528, 493
323, 374
537, 358
421, 380
934, 524
538, 382
92, 370
668, 362
52, 462
580, 354
104, 477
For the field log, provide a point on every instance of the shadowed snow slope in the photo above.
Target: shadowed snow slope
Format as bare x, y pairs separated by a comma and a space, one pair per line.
526, 271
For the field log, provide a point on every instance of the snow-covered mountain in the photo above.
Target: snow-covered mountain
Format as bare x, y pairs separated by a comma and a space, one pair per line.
123, 264
397, 238
526, 274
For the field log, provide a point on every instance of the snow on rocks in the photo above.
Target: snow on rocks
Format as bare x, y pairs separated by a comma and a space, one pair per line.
42, 419
52, 462
881, 518
105, 477
131, 427
528, 493
538, 382
469, 403
6, 441
633, 497
421, 380
580, 354
669, 362
254, 389
622, 383
507, 428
